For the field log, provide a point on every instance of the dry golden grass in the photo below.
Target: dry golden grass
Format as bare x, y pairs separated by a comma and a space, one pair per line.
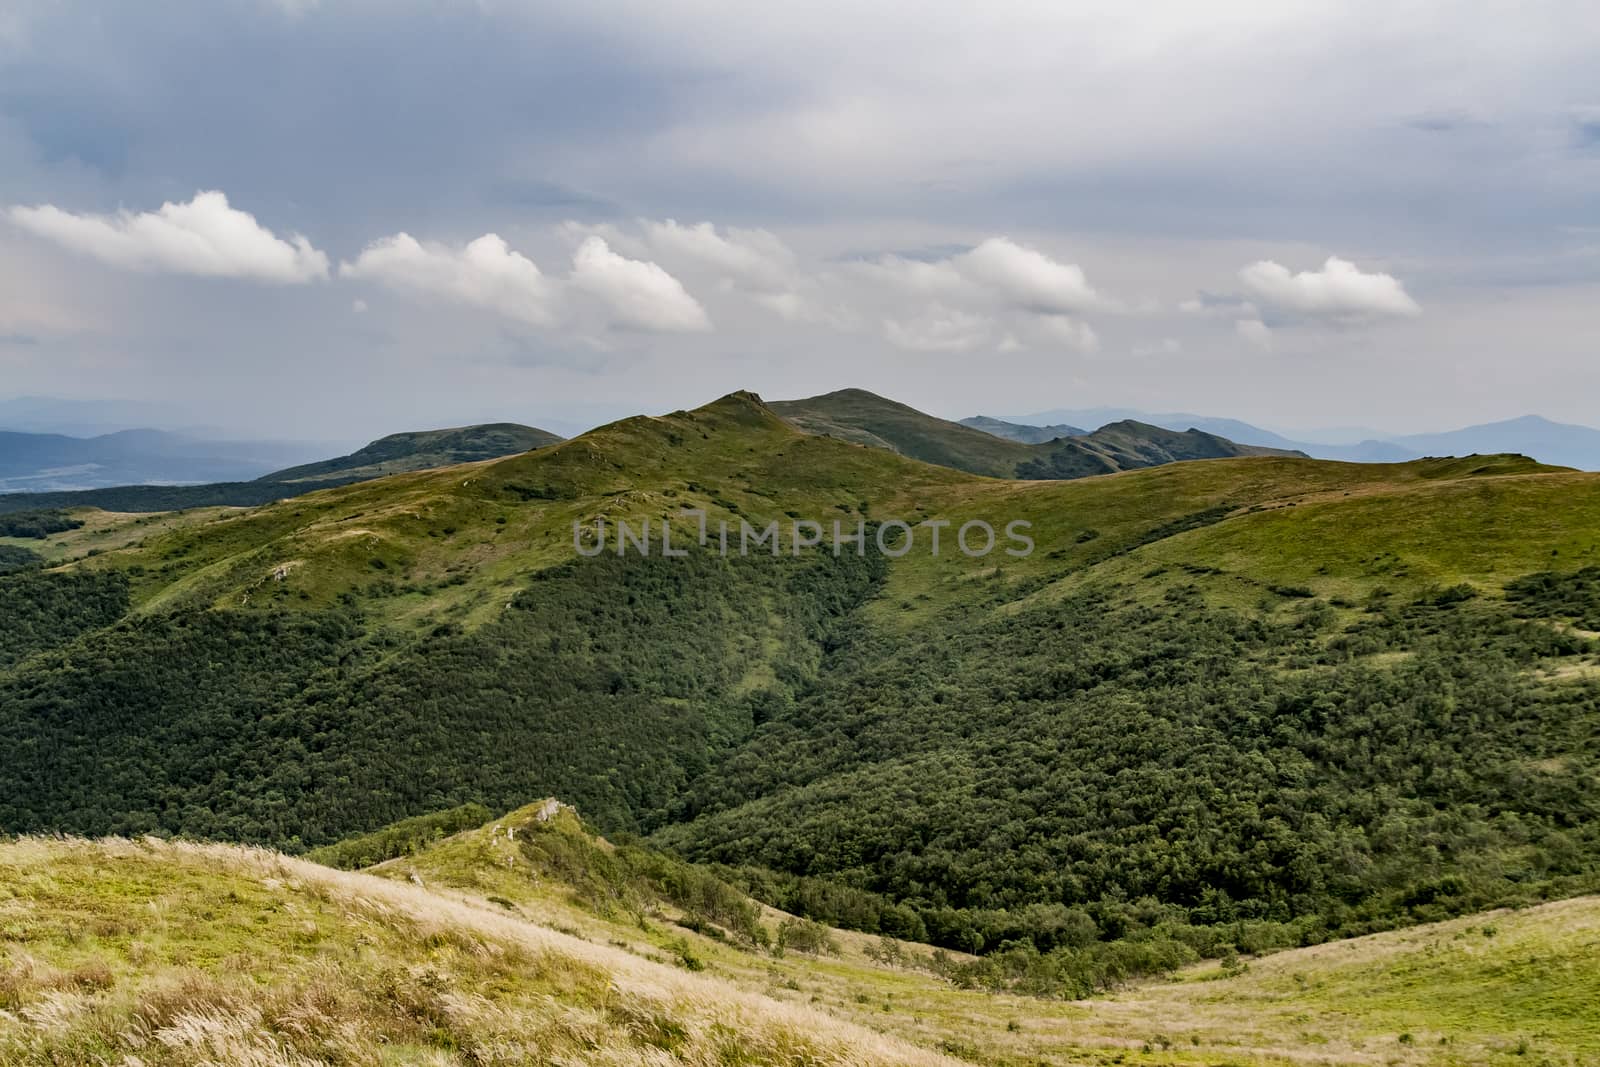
159, 953
130, 953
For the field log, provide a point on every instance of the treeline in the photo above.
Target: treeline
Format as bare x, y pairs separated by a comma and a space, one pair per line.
148, 498
38, 524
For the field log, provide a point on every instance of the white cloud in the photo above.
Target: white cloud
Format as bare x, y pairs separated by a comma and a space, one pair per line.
640, 294
756, 258
996, 271
754, 263
1028, 279
1064, 330
204, 236
1255, 331
938, 329
1029, 292
1340, 290
484, 273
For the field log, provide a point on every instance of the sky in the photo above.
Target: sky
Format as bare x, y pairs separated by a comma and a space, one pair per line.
332, 219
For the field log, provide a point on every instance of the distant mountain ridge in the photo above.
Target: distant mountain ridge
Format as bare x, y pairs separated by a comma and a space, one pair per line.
1557, 443
395, 454
421, 449
1028, 435
865, 418
57, 462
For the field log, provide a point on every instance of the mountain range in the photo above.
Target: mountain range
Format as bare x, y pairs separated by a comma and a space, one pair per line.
56, 462
394, 454
1563, 444
852, 415
865, 418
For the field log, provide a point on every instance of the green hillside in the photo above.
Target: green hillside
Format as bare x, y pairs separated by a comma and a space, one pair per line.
529, 940
864, 418
420, 450
1267, 698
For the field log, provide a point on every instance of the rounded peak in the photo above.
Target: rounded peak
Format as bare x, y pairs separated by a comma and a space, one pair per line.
741, 406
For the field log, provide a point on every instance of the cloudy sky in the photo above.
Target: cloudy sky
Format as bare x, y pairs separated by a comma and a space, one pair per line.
339, 218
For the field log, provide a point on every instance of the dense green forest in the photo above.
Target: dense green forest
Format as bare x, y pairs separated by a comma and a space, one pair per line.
613, 683
1086, 770
37, 524
1104, 757
15, 558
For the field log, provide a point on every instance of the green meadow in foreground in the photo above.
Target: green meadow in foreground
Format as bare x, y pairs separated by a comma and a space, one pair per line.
525, 941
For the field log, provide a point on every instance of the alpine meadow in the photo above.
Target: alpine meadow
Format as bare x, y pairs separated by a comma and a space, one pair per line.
844, 535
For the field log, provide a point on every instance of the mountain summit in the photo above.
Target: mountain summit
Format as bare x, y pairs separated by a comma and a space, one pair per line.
868, 419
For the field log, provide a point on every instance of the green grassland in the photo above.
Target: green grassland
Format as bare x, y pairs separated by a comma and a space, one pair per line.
468, 535
527, 941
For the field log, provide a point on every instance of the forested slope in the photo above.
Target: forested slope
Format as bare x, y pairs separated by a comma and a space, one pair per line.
1256, 700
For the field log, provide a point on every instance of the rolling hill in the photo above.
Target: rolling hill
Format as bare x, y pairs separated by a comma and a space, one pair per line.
1562, 444
1258, 702
420, 450
394, 454
864, 418
530, 939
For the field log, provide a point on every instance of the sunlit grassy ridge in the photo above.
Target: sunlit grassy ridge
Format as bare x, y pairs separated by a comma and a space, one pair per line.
470, 952
182, 954
455, 540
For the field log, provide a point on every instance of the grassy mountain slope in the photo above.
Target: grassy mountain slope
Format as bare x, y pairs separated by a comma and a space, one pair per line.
863, 418
488, 947
420, 450
189, 954
1248, 676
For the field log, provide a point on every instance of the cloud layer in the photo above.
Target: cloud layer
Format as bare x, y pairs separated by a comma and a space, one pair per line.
640, 294
205, 236
484, 273
1340, 290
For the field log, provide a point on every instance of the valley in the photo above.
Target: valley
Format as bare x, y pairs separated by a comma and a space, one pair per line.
1237, 707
